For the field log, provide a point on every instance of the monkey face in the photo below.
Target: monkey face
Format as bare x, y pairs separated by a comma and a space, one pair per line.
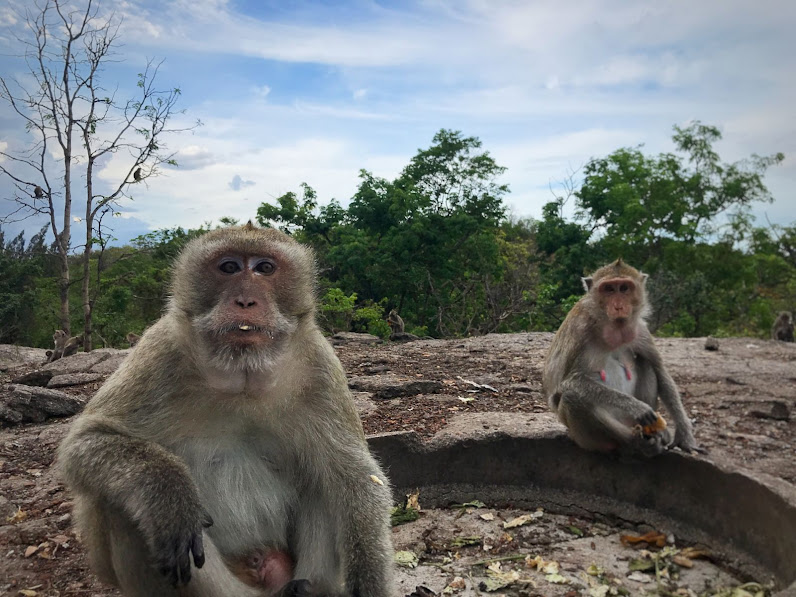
618, 297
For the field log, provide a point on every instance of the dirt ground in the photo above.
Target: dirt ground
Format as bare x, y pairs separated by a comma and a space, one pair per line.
741, 398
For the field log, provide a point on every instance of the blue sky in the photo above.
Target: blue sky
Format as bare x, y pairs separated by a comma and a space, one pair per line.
293, 92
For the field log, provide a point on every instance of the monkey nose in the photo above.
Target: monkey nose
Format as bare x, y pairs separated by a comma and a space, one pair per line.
245, 303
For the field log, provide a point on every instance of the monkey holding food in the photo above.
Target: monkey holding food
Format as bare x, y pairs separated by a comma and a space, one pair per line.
603, 374
229, 437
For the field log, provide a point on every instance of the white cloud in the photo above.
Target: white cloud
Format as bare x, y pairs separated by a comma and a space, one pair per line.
237, 183
261, 91
194, 157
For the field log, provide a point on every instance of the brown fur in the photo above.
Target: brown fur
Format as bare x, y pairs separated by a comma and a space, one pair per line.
230, 431
603, 374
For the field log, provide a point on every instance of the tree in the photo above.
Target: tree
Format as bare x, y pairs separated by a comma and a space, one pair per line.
69, 111
638, 202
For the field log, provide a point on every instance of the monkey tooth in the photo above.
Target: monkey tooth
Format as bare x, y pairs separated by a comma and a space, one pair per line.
245, 328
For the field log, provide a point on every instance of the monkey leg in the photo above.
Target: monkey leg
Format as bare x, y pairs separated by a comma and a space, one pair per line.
136, 575
602, 419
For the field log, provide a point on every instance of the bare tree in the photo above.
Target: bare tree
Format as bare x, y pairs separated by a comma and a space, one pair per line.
71, 114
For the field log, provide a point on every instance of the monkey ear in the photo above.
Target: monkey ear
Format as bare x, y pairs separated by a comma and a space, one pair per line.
644, 278
587, 282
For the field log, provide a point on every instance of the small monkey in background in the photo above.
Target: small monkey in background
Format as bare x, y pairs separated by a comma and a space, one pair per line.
137, 174
132, 339
395, 322
603, 374
225, 457
65, 346
38, 192
783, 327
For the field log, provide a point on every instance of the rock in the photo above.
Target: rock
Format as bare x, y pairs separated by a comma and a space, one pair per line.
711, 343
27, 404
38, 378
74, 379
347, 337
78, 363
403, 337
780, 411
12, 356
392, 386
110, 364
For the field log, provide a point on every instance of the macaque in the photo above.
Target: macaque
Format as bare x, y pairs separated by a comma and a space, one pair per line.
395, 322
132, 339
229, 438
137, 174
783, 327
603, 374
38, 192
64, 346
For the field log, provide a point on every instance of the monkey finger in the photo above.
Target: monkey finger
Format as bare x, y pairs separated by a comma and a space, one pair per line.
184, 567
207, 522
198, 551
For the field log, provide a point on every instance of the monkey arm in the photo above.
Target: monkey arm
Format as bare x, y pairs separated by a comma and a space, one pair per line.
101, 460
668, 394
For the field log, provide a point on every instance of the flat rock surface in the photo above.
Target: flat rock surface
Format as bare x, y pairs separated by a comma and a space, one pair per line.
490, 381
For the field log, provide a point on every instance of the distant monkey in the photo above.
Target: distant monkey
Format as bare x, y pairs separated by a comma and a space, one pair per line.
395, 321
230, 438
137, 174
64, 346
132, 339
38, 192
783, 327
603, 374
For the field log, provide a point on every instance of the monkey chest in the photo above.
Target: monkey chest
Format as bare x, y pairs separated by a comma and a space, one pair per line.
619, 372
248, 491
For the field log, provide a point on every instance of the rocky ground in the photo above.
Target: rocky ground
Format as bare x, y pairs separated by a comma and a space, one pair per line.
741, 398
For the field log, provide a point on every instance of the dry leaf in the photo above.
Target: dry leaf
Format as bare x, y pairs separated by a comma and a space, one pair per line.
30, 550
407, 559
694, 553
28, 592
17, 516
487, 516
652, 538
518, 522
376, 480
683, 561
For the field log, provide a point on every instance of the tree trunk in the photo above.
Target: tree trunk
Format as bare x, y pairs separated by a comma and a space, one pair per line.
86, 286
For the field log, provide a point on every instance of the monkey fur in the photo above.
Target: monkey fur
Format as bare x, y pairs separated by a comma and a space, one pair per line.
229, 436
603, 374
783, 327
65, 346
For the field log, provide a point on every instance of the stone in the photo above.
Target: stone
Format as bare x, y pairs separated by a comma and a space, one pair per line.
74, 379
38, 378
384, 387
348, 337
12, 356
28, 404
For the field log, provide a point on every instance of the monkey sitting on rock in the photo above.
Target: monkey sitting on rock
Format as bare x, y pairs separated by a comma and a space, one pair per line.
603, 374
225, 457
783, 327
65, 346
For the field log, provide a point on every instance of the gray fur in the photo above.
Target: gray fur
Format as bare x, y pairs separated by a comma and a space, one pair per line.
268, 444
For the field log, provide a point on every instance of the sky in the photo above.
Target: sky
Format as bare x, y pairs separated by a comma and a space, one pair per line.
292, 92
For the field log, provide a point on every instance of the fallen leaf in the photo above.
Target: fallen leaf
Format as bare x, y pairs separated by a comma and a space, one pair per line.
575, 530
465, 541
30, 550
466, 399
407, 559
595, 570
457, 584
17, 516
556, 579
473, 504
600, 591
652, 538
683, 561
28, 592
639, 577
642, 565
694, 553
518, 522
413, 501
376, 480
487, 516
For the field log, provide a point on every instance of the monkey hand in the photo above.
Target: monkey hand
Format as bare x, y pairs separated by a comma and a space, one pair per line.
176, 537
684, 440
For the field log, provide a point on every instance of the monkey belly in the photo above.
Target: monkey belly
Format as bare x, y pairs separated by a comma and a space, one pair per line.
619, 374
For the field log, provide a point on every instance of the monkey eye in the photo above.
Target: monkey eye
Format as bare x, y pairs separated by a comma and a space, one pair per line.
624, 288
608, 288
265, 267
229, 266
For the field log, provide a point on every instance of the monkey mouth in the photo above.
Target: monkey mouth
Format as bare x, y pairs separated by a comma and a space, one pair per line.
247, 331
